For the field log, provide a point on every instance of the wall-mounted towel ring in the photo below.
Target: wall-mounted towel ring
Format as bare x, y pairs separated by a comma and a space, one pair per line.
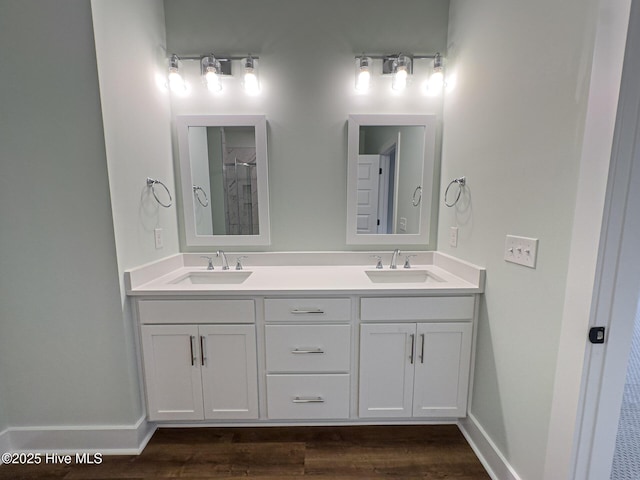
197, 190
418, 190
461, 182
151, 183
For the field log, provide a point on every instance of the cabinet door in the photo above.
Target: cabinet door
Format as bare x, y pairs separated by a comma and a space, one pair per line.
172, 373
386, 369
229, 371
443, 357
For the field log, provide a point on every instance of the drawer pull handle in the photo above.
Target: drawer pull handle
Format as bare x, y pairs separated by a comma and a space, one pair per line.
307, 311
202, 355
422, 354
308, 400
307, 350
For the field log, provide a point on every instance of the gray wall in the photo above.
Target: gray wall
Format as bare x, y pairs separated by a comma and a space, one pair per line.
307, 71
132, 69
63, 348
514, 128
4, 419
131, 61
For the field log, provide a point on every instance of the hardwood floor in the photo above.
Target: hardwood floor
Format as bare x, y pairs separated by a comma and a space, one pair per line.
283, 453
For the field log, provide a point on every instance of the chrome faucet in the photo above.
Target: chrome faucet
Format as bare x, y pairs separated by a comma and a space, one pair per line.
394, 259
210, 265
225, 263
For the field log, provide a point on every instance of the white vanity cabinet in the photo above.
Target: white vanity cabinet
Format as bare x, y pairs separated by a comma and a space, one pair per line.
199, 359
340, 349
419, 368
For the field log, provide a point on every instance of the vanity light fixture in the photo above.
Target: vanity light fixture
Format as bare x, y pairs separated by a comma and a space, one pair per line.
399, 66
210, 69
363, 73
251, 84
176, 82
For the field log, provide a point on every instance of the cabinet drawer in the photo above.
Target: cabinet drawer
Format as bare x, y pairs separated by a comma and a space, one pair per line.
196, 311
417, 308
308, 348
307, 396
307, 309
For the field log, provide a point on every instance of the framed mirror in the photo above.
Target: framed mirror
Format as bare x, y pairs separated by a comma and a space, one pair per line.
224, 180
390, 179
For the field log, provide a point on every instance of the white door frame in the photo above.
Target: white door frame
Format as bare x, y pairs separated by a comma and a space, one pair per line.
619, 278
383, 190
392, 146
587, 394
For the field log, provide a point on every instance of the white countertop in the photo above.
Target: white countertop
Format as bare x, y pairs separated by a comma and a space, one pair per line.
447, 275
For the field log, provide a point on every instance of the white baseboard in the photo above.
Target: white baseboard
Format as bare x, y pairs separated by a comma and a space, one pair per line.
5, 443
107, 440
489, 455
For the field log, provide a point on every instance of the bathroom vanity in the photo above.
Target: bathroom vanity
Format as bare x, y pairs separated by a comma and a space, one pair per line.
306, 338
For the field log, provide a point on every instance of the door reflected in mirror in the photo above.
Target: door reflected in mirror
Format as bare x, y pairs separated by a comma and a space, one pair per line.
223, 169
391, 179
390, 167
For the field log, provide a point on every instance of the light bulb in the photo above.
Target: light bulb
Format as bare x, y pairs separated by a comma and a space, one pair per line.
212, 80
435, 83
436, 80
363, 74
364, 80
399, 81
210, 70
176, 82
401, 69
251, 85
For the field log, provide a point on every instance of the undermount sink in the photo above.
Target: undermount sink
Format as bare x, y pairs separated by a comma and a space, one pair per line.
402, 276
212, 278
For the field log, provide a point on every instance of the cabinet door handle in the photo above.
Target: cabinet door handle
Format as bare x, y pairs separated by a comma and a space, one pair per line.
297, 351
306, 311
308, 400
202, 357
193, 357
413, 347
422, 350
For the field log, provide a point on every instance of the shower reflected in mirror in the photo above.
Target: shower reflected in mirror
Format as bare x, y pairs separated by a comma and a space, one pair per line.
241, 193
223, 159
223, 163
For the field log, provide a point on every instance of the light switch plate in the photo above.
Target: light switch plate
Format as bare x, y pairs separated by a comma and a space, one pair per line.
157, 235
521, 250
403, 224
453, 236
